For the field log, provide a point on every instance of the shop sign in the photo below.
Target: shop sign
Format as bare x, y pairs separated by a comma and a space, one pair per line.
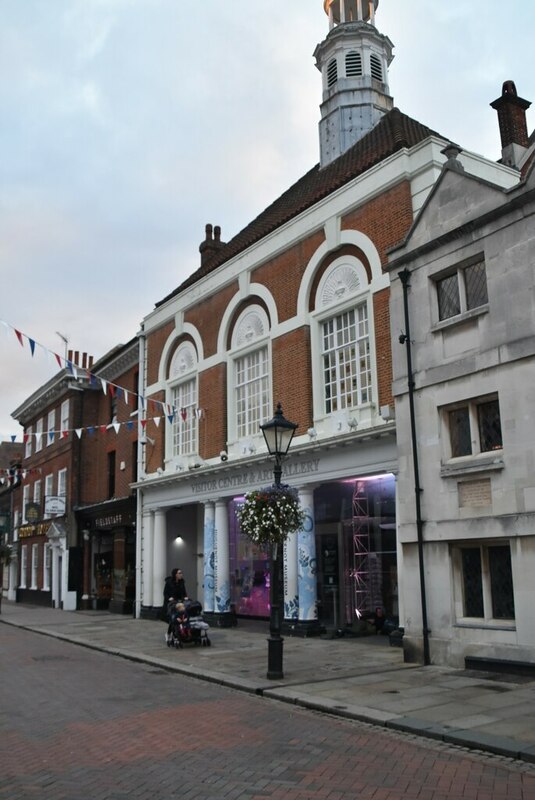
254, 478
34, 530
32, 512
113, 520
54, 506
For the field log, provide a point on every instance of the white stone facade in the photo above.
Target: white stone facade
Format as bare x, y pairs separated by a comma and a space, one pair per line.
477, 469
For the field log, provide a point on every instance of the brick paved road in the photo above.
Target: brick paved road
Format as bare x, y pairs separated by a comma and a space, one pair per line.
76, 724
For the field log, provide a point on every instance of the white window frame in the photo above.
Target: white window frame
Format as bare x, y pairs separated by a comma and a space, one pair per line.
185, 427
39, 435
250, 337
487, 620
64, 417
25, 501
51, 428
23, 566
37, 493
182, 442
47, 566
49, 489
343, 287
16, 524
446, 434
28, 444
34, 565
62, 482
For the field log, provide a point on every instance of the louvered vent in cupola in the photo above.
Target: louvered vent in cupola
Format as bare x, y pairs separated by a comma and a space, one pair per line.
332, 72
376, 68
353, 65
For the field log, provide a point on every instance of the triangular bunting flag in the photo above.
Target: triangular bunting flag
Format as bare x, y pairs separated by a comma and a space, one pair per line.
32, 345
78, 432
104, 385
156, 421
19, 336
116, 426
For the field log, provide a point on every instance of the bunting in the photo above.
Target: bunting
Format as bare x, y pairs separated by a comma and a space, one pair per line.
160, 409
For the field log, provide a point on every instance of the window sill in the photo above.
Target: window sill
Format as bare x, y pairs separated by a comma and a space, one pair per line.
460, 319
472, 465
487, 625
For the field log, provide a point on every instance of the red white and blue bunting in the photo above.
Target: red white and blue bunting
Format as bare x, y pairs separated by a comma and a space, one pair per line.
146, 408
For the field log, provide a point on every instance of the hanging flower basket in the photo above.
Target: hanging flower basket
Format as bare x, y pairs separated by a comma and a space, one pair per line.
268, 516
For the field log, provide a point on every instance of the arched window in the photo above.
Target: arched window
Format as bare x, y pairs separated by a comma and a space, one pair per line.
332, 72
353, 65
249, 391
182, 397
343, 337
376, 68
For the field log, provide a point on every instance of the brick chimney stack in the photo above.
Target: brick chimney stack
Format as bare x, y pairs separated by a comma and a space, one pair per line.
211, 245
513, 126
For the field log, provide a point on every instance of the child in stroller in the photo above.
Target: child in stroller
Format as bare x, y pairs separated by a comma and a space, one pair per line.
187, 625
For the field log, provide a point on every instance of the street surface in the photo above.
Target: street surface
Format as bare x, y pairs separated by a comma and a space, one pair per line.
78, 724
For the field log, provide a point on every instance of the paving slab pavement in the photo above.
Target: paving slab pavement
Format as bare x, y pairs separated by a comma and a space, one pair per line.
356, 678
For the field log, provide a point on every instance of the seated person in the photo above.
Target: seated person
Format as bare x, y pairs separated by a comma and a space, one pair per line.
378, 620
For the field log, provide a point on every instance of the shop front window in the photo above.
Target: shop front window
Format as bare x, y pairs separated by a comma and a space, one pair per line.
356, 548
249, 571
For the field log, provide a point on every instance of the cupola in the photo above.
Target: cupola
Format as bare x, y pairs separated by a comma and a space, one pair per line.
353, 60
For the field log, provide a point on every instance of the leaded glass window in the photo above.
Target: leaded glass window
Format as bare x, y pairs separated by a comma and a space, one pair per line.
487, 582
472, 582
449, 304
462, 290
501, 582
461, 441
475, 280
490, 429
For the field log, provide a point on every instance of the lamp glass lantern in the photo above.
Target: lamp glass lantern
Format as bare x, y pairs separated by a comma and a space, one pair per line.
278, 434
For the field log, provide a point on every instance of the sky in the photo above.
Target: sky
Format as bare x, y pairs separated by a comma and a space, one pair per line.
127, 125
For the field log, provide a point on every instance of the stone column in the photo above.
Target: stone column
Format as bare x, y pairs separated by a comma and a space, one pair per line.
209, 557
147, 558
291, 590
307, 566
221, 563
55, 577
159, 550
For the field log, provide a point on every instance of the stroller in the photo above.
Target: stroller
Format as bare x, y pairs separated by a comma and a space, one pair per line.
188, 625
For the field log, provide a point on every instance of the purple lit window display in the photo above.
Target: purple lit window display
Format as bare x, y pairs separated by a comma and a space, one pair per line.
249, 572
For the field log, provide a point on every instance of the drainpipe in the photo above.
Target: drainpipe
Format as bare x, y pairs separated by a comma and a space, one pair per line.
405, 338
140, 473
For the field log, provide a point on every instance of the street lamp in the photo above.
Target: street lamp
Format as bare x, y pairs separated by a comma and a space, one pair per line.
278, 434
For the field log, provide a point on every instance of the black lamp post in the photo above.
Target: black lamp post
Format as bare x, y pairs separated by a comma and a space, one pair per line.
278, 434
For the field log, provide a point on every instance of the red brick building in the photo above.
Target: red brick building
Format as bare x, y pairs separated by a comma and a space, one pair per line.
75, 513
293, 309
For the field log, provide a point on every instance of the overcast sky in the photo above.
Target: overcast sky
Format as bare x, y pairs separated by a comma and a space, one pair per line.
127, 125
